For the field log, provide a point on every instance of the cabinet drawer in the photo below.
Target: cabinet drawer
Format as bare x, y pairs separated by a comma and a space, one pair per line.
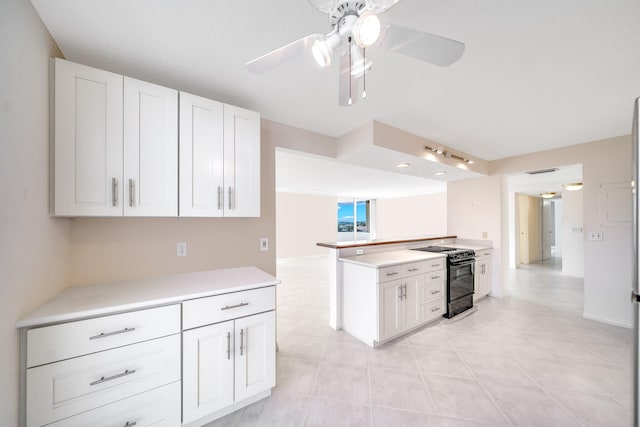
159, 407
432, 310
63, 389
67, 340
205, 311
426, 266
432, 290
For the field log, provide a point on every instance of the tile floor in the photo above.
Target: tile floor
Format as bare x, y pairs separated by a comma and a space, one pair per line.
526, 360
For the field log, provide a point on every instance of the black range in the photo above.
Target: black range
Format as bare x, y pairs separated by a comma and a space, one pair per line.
460, 263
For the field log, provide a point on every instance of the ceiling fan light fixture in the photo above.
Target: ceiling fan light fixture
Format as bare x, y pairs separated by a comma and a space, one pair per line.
367, 29
322, 49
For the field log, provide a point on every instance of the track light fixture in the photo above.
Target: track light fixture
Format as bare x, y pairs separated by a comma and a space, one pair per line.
447, 154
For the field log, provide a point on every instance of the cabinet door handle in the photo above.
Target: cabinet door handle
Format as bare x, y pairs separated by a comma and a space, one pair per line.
131, 188
404, 291
130, 424
400, 293
114, 192
393, 273
228, 345
241, 340
435, 309
113, 377
230, 196
435, 277
414, 269
229, 307
219, 197
108, 334
433, 292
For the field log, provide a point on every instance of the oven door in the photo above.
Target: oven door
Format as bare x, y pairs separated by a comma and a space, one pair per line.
461, 278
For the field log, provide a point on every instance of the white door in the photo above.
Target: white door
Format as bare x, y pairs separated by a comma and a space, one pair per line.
87, 141
150, 149
241, 162
411, 299
548, 228
390, 303
255, 350
201, 157
207, 370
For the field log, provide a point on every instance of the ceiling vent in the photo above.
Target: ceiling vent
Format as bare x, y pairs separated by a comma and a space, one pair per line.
542, 171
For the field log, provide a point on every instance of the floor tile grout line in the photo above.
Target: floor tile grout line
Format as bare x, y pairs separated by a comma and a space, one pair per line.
543, 389
477, 379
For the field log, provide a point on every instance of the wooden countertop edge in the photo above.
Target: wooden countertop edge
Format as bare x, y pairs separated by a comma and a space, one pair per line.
386, 242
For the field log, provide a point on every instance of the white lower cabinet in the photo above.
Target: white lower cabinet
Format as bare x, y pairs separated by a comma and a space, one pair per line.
186, 363
380, 304
159, 407
482, 274
226, 364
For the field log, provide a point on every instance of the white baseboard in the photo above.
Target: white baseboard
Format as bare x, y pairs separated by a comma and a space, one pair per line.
607, 320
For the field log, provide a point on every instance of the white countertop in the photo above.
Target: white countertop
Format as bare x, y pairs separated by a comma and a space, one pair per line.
386, 259
465, 246
98, 300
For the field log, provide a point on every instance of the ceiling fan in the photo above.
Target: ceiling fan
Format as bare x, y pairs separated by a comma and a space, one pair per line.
355, 28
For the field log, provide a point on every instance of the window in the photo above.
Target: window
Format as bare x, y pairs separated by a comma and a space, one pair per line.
354, 219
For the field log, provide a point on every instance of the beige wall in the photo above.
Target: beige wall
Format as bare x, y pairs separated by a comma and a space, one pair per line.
572, 241
473, 209
607, 263
34, 248
302, 221
423, 215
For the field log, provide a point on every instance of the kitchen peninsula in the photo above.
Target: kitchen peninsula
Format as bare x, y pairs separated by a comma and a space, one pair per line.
384, 253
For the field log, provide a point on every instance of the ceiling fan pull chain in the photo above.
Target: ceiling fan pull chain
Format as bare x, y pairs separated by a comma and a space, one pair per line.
350, 100
364, 74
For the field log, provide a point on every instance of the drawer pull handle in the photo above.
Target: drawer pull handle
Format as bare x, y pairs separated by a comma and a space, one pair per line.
435, 277
113, 377
393, 273
130, 424
435, 265
435, 292
414, 269
108, 334
435, 309
228, 345
229, 307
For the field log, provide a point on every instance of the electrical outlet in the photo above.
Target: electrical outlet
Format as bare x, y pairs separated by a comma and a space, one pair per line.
596, 235
485, 234
264, 244
359, 251
181, 249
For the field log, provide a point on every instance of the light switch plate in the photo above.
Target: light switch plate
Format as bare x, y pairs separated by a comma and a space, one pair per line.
264, 244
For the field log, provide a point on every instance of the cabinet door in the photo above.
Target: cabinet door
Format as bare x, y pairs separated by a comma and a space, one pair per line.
255, 350
412, 305
477, 279
201, 157
241, 162
389, 303
485, 287
150, 149
207, 370
87, 141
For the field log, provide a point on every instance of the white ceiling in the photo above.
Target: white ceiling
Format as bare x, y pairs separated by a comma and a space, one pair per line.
535, 75
533, 185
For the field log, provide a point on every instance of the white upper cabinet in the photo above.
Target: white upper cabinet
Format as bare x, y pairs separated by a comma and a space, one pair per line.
219, 159
88, 141
241, 162
117, 152
150, 149
201, 156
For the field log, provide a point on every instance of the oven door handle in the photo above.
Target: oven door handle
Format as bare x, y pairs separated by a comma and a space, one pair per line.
463, 262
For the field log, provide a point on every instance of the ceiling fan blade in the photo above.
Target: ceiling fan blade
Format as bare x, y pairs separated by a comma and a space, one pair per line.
346, 91
275, 58
420, 45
